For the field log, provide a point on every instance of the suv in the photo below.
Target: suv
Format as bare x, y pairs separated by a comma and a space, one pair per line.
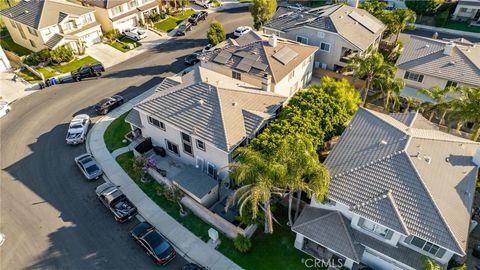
195, 18
183, 29
108, 104
136, 34
89, 71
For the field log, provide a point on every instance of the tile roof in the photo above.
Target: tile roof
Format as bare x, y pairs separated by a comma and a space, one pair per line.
54, 40
426, 56
105, 3
223, 113
469, 2
329, 229
378, 154
43, 13
355, 25
252, 43
133, 117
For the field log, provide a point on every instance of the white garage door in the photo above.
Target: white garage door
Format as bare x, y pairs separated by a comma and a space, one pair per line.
127, 24
91, 38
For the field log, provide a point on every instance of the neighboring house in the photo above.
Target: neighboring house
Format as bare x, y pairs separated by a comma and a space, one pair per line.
468, 11
400, 189
274, 65
338, 31
427, 62
122, 15
202, 117
4, 63
36, 25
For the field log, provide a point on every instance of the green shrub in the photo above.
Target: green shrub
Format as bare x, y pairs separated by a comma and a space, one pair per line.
61, 54
38, 57
442, 18
112, 34
156, 17
242, 243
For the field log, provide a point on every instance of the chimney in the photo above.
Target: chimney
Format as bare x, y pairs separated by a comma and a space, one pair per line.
476, 157
448, 48
267, 82
272, 41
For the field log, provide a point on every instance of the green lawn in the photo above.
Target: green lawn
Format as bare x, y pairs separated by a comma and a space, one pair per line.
8, 44
28, 76
115, 133
274, 251
246, 1
74, 65
47, 72
120, 45
171, 22
462, 27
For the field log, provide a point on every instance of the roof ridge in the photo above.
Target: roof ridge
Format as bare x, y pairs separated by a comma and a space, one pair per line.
386, 122
451, 137
452, 235
220, 105
348, 235
269, 64
37, 26
397, 212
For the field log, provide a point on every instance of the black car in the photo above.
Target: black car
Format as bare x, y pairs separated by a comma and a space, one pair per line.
89, 71
192, 59
183, 29
192, 266
108, 104
156, 245
199, 16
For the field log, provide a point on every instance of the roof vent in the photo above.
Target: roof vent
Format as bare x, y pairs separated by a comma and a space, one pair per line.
452, 62
234, 104
476, 157
448, 48
341, 16
26, 11
272, 41
201, 101
427, 45
467, 194
447, 159
428, 159
418, 155
383, 142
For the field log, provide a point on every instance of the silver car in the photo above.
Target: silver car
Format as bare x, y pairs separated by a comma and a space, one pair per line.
77, 130
88, 166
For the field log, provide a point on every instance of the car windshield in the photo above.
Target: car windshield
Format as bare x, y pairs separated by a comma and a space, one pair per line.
75, 126
158, 244
91, 168
103, 101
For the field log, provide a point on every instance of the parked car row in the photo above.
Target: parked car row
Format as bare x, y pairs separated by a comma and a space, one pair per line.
193, 20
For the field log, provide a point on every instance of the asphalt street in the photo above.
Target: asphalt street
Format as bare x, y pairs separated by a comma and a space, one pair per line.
48, 211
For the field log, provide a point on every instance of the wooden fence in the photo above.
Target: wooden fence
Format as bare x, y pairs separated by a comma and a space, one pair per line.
320, 73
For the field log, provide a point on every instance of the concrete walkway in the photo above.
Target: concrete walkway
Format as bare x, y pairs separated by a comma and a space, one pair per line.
11, 91
186, 243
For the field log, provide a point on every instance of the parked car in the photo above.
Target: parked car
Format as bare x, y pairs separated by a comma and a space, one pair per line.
156, 245
199, 16
207, 48
88, 71
77, 129
297, 6
192, 59
4, 108
114, 199
204, 3
183, 29
192, 266
88, 166
107, 104
241, 30
136, 33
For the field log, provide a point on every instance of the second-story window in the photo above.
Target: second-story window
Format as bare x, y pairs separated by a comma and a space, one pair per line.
187, 143
324, 47
32, 31
236, 75
303, 40
200, 145
154, 122
13, 24
291, 75
375, 228
426, 246
413, 76
451, 84
132, 4
117, 10
32, 43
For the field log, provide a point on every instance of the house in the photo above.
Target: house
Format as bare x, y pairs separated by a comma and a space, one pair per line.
4, 63
427, 62
400, 189
468, 11
202, 117
275, 65
121, 14
36, 25
338, 31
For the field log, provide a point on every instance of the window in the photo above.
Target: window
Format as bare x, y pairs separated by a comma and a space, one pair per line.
236, 75
463, 9
70, 25
48, 31
324, 47
13, 24
132, 4
413, 76
116, 10
427, 246
154, 122
187, 143
375, 228
211, 170
308, 61
303, 40
200, 145
451, 84
32, 43
172, 147
291, 75
32, 31
19, 26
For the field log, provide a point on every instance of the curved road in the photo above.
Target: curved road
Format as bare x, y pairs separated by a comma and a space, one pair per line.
48, 211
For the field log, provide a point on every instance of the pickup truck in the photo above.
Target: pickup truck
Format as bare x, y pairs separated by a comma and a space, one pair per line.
116, 202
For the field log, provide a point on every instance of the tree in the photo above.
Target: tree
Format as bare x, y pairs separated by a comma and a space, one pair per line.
466, 108
440, 102
372, 68
183, 4
374, 7
429, 264
262, 11
390, 90
424, 7
61, 54
216, 33
399, 20
258, 176
410, 102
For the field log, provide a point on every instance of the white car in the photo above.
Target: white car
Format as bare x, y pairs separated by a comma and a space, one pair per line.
78, 128
207, 48
204, 3
242, 30
136, 33
4, 108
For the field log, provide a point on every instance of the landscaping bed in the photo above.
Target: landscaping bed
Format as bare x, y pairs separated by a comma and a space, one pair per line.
461, 26
172, 21
28, 76
74, 65
266, 249
121, 44
115, 133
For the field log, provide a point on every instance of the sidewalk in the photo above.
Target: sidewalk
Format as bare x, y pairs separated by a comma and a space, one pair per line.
11, 91
187, 244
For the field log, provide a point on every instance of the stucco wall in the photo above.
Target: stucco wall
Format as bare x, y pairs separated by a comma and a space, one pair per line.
302, 76
428, 81
24, 42
468, 14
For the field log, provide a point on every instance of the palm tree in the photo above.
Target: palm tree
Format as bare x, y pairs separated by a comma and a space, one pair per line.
390, 92
305, 173
440, 101
399, 20
466, 108
258, 176
373, 68
410, 102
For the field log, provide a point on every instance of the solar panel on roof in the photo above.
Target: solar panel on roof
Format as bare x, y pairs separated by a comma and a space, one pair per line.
243, 67
285, 55
368, 23
260, 66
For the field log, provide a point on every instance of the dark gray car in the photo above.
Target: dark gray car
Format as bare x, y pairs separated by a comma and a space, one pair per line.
88, 166
183, 29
